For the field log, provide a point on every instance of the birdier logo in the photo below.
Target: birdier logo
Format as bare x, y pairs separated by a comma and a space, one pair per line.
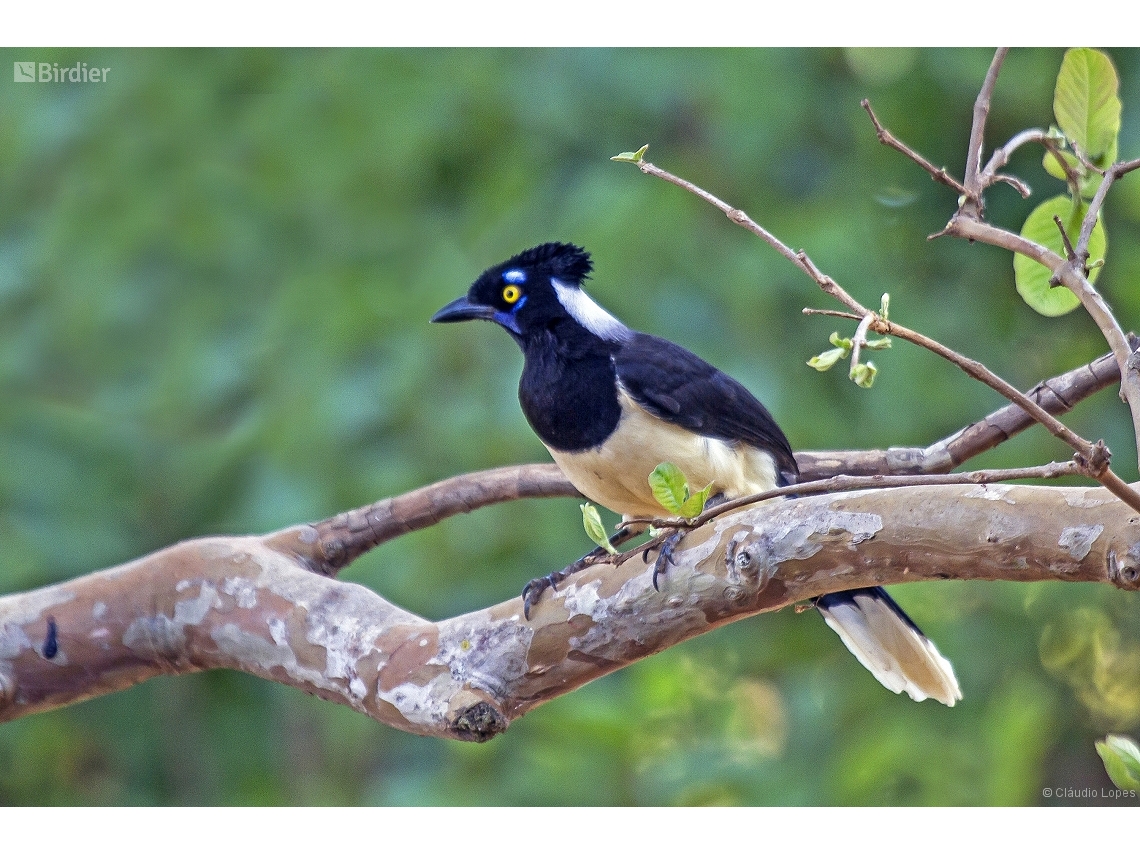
51, 72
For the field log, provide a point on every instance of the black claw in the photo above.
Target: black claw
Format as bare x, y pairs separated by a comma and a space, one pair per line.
531, 593
665, 556
532, 590
51, 640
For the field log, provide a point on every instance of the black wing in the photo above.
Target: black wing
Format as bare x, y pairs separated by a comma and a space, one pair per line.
681, 388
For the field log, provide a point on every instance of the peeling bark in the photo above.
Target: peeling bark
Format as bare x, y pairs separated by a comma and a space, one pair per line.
254, 604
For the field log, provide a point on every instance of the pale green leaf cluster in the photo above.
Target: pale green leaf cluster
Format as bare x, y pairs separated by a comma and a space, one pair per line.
1087, 108
862, 373
1121, 757
671, 490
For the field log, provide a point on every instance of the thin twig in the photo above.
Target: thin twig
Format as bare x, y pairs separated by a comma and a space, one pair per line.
848, 483
1056, 395
1001, 157
1070, 253
888, 139
1016, 183
973, 178
798, 258
734, 214
833, 313
1093, 213
860, 339
1080, 155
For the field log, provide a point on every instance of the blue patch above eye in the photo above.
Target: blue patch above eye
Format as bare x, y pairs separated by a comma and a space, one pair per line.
515, 277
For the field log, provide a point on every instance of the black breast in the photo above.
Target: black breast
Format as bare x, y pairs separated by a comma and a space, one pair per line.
568, 390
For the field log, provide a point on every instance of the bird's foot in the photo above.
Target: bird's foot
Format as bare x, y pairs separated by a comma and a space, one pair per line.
532, 591
668, 543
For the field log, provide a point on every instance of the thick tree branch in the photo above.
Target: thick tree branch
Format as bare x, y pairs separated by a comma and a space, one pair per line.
248, 604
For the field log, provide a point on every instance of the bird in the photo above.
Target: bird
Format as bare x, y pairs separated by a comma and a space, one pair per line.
611, 403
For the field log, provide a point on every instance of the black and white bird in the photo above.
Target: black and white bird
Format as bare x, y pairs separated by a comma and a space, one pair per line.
610, 404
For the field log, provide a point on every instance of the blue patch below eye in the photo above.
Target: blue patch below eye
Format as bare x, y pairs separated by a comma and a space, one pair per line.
507, 319
515, 277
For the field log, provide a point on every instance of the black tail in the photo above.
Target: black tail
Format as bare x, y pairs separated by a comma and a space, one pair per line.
889, 644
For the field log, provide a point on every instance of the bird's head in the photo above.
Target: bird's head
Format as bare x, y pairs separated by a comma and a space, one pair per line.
533, 291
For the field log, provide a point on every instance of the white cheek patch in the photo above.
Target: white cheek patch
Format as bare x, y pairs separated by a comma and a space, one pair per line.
589, 314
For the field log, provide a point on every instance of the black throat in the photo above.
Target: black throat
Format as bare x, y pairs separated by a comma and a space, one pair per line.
568, 389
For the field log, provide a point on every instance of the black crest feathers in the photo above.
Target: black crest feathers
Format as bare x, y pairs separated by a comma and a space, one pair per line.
563, 260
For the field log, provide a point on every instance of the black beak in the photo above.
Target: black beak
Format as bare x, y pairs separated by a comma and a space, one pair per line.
462, 310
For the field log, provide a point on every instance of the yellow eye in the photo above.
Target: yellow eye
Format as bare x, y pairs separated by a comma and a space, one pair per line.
511, 294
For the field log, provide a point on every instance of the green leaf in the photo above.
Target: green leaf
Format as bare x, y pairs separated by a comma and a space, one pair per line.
827, 359
1031, 277
840, 342
592, 522
1086, 103
877, 344
1121, 758
631, 156
864, 374
694, 505
669, 487
885, 307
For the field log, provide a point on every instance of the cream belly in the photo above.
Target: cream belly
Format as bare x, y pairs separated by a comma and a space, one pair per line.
616, 474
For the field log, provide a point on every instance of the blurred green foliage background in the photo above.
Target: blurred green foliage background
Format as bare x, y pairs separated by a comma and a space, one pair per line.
216, 271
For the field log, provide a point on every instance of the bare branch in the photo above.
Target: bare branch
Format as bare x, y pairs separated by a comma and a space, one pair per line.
1092, 456
1001, 155
847, 483
1070, 253
1016, 183
939, 174
973, 177
798, 258
1071, 272
860, 339
343, 538
1093, 213
1055, 396
1073, 278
